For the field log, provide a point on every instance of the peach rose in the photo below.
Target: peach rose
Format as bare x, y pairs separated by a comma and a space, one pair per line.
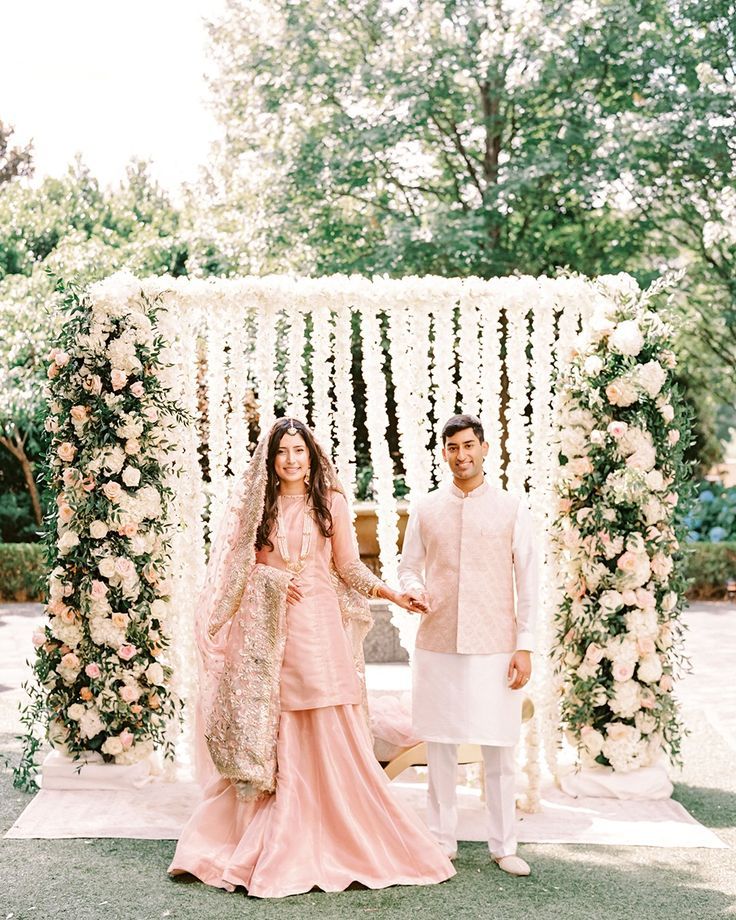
61, 358
132, 446
66, 513
86, 694
66, 451
112, 491
120, 620
79, 413
119, 379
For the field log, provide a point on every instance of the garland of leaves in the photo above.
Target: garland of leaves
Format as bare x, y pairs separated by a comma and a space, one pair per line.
623, 431
99, 681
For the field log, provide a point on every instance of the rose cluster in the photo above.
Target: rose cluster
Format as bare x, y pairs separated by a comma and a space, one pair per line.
99, 659
616, 538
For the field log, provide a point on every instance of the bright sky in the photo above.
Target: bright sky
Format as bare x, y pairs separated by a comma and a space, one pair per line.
110, 79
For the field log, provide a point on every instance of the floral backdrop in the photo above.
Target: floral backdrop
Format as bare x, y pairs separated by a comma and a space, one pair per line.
138, 363
622, 433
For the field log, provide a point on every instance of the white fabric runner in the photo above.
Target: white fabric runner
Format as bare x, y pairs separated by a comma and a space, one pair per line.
158, 810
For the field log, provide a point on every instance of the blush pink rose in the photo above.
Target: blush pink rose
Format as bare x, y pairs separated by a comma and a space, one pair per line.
617, 429
126, 738
646, 645
98, 590
627, 562
622, 670
647, 699
66, 513
92, 670
128, 694
645, 598
629, 597
594, 653
127, 651
666, 683
673, 436
137, 389
61, 358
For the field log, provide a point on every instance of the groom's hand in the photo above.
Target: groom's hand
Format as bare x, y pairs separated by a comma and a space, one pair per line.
413, 601
520, 670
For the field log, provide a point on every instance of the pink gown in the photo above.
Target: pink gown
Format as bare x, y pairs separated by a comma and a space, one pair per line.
333, 819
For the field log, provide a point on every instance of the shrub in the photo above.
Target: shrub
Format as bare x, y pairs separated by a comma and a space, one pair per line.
22, 571
712, 517
709, 566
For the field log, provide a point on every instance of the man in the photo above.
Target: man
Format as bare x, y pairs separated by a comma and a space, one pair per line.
467, 545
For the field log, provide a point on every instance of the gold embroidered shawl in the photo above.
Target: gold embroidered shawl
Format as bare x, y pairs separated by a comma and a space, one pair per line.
241, 632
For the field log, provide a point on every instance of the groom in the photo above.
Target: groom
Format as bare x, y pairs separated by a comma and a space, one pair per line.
467, 547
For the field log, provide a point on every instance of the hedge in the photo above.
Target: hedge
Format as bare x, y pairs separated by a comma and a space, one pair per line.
22, 572
708, 565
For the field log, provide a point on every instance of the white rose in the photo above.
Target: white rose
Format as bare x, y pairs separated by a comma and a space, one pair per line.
655, 480
593, 365
650, 669
106, 566
90, 724
627, 338
155, 674
667, 412
131, 476
625, 700
651, 377
67, 542
75, 711
98, 530
112, 746
611, 600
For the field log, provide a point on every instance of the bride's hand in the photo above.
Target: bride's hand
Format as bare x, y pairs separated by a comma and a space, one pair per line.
411, 601
293, 593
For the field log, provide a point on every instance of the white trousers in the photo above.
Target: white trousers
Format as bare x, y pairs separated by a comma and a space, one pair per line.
499, 765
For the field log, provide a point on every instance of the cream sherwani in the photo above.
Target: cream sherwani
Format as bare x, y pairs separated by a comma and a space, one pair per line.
471, 552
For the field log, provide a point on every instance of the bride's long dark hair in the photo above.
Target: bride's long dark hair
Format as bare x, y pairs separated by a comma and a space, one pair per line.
317, 490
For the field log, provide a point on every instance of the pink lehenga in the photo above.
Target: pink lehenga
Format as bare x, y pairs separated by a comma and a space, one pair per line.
293, 796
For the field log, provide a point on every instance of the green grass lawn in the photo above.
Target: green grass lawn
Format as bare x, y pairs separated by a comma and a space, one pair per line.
126, 879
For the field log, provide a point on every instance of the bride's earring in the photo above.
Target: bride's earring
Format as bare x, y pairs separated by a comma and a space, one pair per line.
306, 480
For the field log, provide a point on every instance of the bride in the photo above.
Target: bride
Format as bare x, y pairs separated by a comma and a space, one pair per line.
293, 796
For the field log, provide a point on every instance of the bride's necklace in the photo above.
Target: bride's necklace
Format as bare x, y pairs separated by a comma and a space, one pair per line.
282, 541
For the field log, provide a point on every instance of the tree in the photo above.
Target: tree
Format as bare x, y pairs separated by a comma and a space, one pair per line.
14, 161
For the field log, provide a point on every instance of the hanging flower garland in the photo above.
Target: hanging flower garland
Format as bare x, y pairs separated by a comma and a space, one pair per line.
617, 542
295, 387
238, 381
217, 412
265, 362
99, 657
409, 350
442, 371
344, 406
469, 351
517, 373
321, 372
490, 374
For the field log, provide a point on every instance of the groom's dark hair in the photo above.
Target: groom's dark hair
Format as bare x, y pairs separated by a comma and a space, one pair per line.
460, 423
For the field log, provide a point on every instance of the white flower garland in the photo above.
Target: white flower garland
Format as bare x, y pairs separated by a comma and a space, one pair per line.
517, 371
344, 408
443, 389
265, 363
238, 380
217, 413
469, 351
296, 405
321, 373
490, 344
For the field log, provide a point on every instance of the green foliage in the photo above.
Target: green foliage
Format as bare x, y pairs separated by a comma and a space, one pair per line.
460, 138
22, 571
712, 517
709, 567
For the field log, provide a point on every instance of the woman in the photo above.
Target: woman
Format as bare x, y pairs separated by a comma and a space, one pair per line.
293, 796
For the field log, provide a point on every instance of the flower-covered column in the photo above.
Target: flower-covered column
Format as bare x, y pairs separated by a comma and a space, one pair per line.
100, 659
616, 537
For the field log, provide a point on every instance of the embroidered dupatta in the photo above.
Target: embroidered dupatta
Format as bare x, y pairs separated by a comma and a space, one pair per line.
240, 628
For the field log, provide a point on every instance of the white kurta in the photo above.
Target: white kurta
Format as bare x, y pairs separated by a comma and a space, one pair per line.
465, 698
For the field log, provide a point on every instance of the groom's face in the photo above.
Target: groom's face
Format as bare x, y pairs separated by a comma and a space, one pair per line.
464, 454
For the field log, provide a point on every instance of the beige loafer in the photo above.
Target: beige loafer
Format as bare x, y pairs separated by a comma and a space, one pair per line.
513, 865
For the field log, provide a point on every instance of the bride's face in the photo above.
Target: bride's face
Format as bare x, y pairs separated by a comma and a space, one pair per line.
291, 463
